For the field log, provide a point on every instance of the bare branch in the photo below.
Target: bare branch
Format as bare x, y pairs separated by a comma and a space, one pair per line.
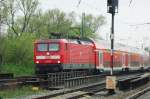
130, 2
28, 8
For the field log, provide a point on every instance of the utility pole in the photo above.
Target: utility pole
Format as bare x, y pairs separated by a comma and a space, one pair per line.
112, 44
83, 24
112, 8
0, 20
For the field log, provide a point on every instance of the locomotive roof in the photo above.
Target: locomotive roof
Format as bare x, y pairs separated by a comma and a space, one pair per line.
75, 41
100, 44
50, 40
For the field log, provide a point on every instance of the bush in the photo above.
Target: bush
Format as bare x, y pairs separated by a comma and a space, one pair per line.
18, 50
18, 70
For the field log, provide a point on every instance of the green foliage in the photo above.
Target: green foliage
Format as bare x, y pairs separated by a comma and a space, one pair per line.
17, 54
92, 25
50, 21
18, 70
18, 50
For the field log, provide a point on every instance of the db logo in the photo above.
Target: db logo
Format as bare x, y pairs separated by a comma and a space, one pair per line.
47, 53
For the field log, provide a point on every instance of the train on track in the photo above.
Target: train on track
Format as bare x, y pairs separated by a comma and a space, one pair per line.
56, 55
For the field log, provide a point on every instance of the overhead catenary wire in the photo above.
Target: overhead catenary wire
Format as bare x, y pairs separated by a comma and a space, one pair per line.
141, 24
146, 23
81, 1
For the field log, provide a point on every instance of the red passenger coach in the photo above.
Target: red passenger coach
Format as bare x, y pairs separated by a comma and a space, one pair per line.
55, 55
126, 58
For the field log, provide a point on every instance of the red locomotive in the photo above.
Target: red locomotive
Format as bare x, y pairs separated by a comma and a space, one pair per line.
54, 55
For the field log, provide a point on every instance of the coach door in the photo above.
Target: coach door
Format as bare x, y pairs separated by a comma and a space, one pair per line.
123, 59
129, 60
100, 59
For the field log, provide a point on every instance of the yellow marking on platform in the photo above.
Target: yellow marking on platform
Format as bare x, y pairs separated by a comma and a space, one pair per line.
35, 88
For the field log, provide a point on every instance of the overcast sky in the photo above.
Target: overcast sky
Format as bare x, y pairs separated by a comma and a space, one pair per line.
129, 21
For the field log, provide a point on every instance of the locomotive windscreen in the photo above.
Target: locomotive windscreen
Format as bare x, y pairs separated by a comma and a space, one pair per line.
48, 47
53, 47
42, 47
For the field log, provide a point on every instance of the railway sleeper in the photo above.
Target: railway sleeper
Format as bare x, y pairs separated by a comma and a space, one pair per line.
124, 84
10, 85
139, 82
6, 76
132, 83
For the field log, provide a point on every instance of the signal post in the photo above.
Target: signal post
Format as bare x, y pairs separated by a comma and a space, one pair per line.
112, 8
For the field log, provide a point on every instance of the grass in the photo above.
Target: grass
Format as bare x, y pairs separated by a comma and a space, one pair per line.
19, 92
17, 70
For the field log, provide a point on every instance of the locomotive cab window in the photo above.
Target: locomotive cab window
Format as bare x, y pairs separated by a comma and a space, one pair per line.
53, 47
42, 47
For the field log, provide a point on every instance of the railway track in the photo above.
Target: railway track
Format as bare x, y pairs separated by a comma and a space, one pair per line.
67, 93
8, 81
51, 81
76, 82
78, 91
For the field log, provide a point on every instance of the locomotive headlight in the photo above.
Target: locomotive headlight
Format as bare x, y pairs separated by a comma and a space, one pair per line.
37, 62
58, 61
55, 57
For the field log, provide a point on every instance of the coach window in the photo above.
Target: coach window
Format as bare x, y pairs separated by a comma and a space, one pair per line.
42, 47
53, 47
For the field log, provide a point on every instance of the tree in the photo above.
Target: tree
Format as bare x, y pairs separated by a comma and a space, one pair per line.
12, 9
36, 23
25, 7
93, 24
43, 24
3, 15
57, 21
